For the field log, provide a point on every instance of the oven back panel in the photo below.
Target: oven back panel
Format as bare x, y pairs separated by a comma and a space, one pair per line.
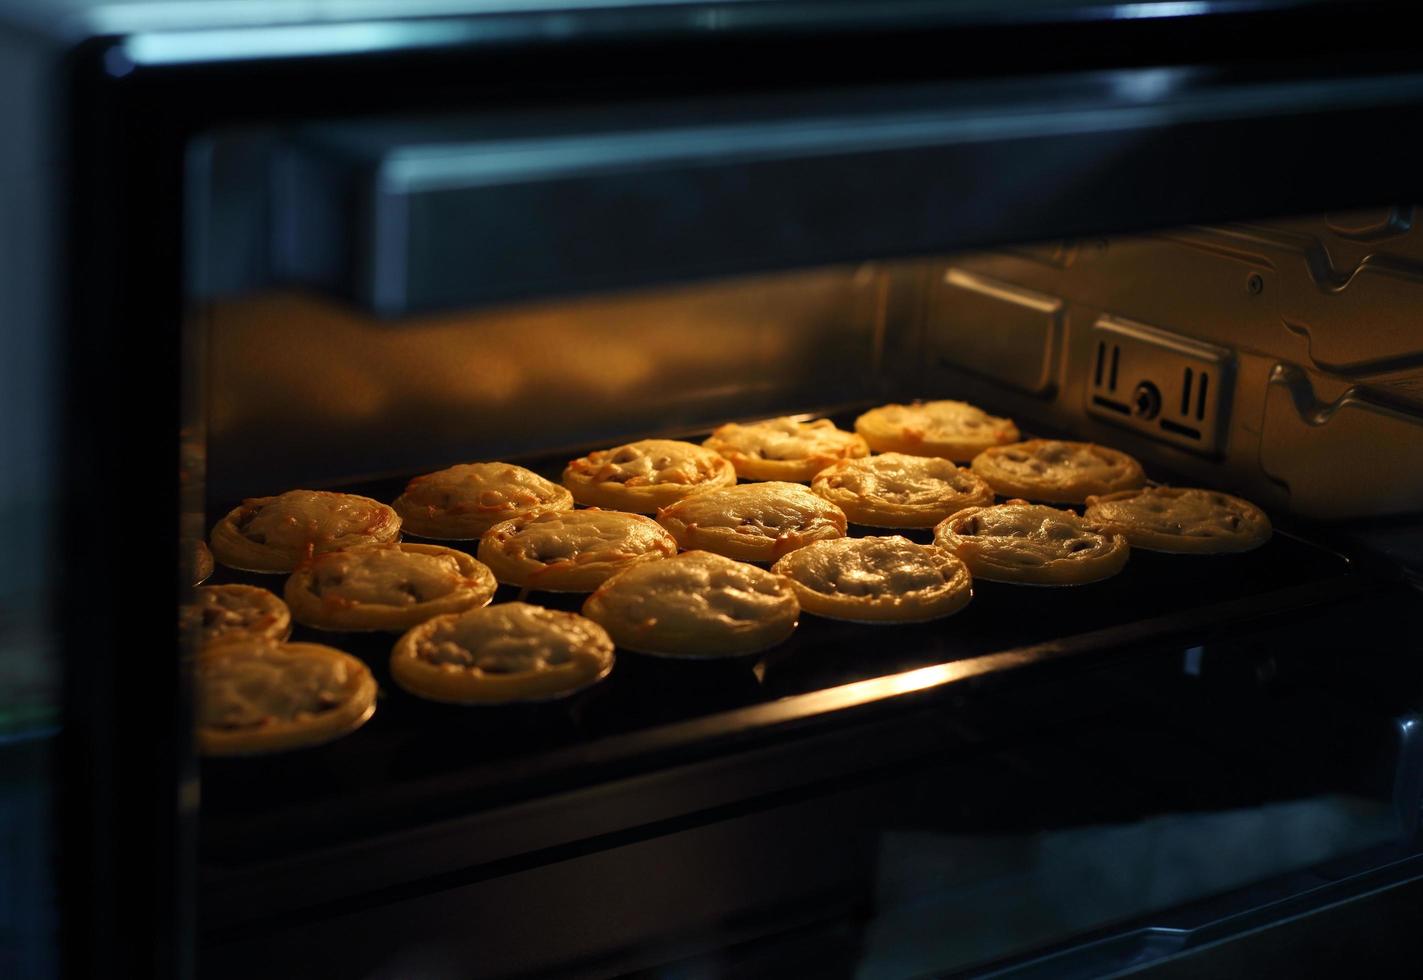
1282, 359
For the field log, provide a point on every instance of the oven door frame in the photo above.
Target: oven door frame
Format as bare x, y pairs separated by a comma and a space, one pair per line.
134, 100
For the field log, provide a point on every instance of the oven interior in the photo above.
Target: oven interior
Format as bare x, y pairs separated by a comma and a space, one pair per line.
1053, 782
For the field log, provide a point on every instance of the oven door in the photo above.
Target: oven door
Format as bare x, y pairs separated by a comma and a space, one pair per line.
370, 144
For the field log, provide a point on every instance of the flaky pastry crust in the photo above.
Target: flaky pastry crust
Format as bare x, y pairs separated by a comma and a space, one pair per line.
386, 586
461, 502
1178, 520
877, 580
1031, 544
753, 521
947, 429
697, 605
571, 550
783, 448
256, 696
647, 475
1056, 471
897, 490
276, 534
501, 654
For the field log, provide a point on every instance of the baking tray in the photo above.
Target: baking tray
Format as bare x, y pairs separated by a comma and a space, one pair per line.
418, 761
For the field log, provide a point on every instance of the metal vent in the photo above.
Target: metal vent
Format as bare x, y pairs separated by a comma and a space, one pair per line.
1168, 386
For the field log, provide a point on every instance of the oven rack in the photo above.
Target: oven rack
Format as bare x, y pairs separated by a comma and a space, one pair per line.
418, 761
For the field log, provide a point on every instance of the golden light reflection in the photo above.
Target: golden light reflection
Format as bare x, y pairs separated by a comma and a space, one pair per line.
298, 383
891, 686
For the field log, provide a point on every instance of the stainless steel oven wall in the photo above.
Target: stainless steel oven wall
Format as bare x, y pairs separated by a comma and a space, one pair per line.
301, 391
1309, 333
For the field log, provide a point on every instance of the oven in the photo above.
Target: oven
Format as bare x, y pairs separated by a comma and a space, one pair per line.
335, 246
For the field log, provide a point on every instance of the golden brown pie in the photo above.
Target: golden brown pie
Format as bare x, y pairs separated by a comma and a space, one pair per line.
276, 534
1056, 471
386, 586
697, 605
897, 490
202, 562
947, 429
753, 521
1031, 544
784, 448
646, 475
462, 502
500, 654
571, 550
877, 580
257, 696
224, 612
1181, 521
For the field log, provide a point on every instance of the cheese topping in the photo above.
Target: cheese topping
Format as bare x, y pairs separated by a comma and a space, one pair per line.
580, 536
766, 510
939, 421
697, 587
301, 519
1023, 534
896, 478
786, 439
1049, 460
1182, 512
1077, 458
248, 685
888, 566
653, 461
511, 638
225, 610
482, 488
386, 576
1056, 471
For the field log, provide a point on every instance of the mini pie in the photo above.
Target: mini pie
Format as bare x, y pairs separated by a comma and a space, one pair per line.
462, 502
1031, 544
257, 696
696, 605
571, 550
276, 534
227, 612
896, 490
784, 449
948, 429
1181, 521
877, 580
1059, 472
202, 563
510, 652
753, 521
647, 475
386, 586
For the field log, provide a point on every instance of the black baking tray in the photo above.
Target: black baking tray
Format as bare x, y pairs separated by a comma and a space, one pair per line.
417, 760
